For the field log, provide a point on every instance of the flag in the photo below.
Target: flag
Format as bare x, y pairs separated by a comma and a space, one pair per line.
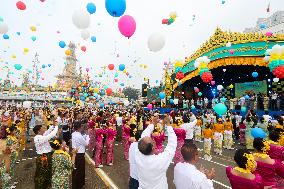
268, 8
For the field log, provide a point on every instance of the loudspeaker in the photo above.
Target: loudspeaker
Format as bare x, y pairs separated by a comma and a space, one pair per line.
144, 90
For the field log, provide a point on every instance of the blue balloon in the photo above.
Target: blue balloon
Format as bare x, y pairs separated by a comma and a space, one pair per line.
179, 83
262, 26
49, 65
62, 44
223, 99
43, 66
258, 133
122, 84
223, 2
162, 95
86, 95
121, 67
5, 36
115, 8
82, 98
102, 105
91, 8
199, 93
94, 39
192, 107
254, 74
102, 93
33, 38
243, 109
247, 97
220, 108
18, 33
171, 101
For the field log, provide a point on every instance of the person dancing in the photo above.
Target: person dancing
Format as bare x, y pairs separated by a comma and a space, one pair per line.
243, 176
228, 134
111, 134
218, 136
208, 136
99, 145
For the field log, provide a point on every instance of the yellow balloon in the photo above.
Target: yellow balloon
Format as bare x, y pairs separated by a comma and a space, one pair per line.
141, 65
124, 71
145, 66
274, 56
68, 52
178, 64
203, 65
33, 28
14, 56
96, 90
26, 50
231, 86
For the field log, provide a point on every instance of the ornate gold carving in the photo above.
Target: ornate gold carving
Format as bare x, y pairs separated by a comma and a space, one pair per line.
221, 38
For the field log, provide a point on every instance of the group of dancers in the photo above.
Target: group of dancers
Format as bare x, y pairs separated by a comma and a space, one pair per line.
55, 128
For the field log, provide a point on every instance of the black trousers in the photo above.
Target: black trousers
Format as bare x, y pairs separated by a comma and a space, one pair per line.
133, 183
119, 133
78, 174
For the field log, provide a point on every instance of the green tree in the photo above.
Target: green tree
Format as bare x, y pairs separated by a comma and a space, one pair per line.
131, 93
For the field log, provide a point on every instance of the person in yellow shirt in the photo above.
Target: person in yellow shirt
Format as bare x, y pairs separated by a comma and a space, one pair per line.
228, 134
197, 130
218, 130
208, 135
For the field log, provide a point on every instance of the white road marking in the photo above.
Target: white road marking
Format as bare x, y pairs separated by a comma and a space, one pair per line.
102, 174
217, 182
215, 162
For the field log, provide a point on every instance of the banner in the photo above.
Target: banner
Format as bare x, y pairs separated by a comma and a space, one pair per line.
256, 87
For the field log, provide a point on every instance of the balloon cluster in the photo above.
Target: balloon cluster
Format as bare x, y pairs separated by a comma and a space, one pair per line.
169, 21
275, 57
202, 64
178, 66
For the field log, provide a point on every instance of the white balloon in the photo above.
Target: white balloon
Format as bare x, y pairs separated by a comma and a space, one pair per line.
224, 70
85, 34
175, 101
229, 44
126, 103
275, 80
220, 87
266, 58
3, 28
156, 42
81, 19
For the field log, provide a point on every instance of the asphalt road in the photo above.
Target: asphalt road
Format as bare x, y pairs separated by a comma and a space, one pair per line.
119, 172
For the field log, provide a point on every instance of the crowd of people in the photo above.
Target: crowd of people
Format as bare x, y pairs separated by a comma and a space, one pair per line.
61, 137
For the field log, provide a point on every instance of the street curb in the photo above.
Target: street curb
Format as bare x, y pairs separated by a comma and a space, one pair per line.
105, 178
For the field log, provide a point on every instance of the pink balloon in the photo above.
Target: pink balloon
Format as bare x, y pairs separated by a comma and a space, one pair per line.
269, 34
231, 51
150, 106
87, 69
212, 82
127, 25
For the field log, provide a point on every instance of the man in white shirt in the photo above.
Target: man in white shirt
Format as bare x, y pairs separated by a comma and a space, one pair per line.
192, 117
119, 127
187, 176
189, 129
133, 180
79, 142
267, 117
152, 169
43, 172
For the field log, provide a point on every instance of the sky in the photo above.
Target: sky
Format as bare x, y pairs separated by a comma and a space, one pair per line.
53, 21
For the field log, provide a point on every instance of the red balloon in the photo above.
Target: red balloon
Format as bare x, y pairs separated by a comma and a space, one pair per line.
108, 91
179, 75
20, 5
279, 72
83, 48
196, 90
110, 66
206, 77
165, 21
115, 80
